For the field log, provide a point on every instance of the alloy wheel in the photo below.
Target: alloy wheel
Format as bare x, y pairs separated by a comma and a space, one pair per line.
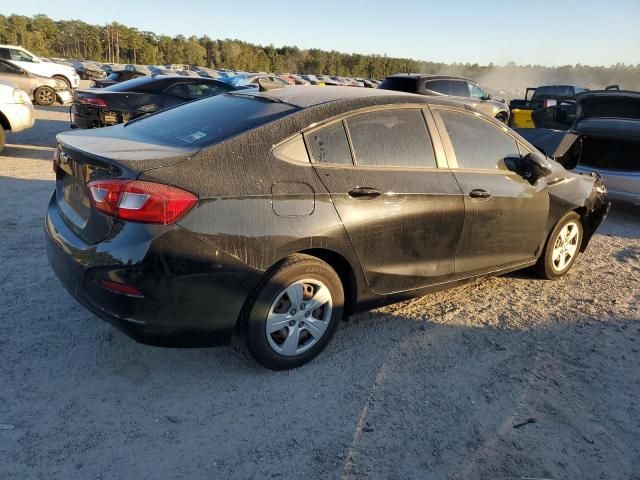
565, 247
45, 96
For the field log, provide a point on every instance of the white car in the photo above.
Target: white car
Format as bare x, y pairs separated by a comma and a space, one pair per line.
30, 62
16, 111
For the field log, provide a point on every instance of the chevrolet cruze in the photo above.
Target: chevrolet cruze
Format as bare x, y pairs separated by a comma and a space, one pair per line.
272, 214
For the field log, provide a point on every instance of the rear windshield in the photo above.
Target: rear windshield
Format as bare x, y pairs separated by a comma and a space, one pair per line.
208, 121
400, 84
140, 83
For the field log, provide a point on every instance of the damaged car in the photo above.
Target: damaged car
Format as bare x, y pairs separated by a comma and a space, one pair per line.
94, 108
604, 136
272, 214
43, 90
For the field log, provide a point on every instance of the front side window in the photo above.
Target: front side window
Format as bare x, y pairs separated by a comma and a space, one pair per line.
20, 56
476, 92
329, 145
477, 143
6, 68
391, 138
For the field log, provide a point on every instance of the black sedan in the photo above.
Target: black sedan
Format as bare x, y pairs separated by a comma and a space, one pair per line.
119, 103
274, 214
118, 76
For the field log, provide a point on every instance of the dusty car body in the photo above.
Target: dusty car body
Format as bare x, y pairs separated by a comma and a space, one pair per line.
462, 89
294, 206
43, 90
89, 70
30, 62
16, 111
605, 136
94, 108
118, 76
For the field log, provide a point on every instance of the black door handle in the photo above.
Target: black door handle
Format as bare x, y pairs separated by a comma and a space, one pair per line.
364, 192
479, 193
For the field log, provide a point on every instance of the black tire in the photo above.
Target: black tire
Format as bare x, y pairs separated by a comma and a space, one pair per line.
548, 267
502, 117
44, 96
64, 79
3, 137
292, 269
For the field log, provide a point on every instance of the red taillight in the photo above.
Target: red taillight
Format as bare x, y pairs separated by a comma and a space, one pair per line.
98, 102
121, 288
140, 201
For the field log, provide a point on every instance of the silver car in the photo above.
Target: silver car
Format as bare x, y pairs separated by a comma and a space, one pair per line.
462, 89
43, 90
16, 111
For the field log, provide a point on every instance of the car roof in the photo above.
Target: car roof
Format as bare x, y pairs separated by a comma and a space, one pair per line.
303, 96
431, 76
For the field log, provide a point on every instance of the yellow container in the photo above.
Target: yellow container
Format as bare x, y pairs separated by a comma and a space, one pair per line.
521, 118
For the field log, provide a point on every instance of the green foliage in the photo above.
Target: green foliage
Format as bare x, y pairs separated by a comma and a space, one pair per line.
74, 39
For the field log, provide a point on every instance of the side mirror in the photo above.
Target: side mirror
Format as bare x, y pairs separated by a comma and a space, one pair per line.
488, 97
531, 167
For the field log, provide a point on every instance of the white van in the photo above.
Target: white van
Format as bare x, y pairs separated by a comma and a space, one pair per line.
30, 62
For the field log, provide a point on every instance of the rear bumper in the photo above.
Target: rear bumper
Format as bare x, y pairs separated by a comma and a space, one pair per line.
192, 293
96, 117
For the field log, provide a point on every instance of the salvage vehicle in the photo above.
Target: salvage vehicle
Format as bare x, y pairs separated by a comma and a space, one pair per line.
94, 108
30, 62
43, 90
605, 136
251, 80
548, 106
118, 76
16, 111
463, 89
89, 70
274, 213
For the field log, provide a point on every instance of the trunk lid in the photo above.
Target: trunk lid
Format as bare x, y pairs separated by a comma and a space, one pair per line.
84, 156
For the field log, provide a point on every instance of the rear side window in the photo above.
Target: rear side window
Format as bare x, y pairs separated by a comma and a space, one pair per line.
459, 88
438, 86
391, 138
209, 120
329, 145
477, 143
400, 84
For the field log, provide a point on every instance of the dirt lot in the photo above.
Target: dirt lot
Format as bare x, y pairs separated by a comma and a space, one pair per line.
511, 378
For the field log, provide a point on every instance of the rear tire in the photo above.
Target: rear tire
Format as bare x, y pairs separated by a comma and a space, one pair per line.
502, 117
294, 313
562, 248
44, 96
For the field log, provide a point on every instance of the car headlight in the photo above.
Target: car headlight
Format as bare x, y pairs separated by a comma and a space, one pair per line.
20, 96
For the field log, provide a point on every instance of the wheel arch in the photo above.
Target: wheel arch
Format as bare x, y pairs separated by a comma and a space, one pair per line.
344, 270
4, 122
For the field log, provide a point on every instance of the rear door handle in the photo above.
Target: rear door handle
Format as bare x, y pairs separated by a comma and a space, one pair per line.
364, 192
479, 193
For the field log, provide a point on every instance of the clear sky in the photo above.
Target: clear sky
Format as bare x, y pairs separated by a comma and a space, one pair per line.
543, 32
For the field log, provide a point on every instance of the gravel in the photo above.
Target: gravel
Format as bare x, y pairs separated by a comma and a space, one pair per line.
509, 378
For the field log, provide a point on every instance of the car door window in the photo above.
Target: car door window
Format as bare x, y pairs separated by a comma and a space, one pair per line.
391, 138
438, 86
329, 145
477, 143
459, 88
476, 92
6, 68
20, 56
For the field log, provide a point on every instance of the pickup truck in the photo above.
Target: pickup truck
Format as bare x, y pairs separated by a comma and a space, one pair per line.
548, 106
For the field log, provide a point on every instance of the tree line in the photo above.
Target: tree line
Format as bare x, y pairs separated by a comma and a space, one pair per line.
117, 43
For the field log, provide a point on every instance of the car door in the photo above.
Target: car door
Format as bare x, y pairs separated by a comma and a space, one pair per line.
15, 76
505, 216
401, 212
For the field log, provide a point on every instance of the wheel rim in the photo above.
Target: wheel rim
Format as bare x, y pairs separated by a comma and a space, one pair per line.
299, 317
45, 96
565, 247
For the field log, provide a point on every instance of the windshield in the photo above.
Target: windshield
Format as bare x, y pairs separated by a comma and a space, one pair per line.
208, 121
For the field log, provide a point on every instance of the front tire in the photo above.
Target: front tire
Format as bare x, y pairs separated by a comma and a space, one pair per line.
294, 313
44, 96
64, 79
562, 247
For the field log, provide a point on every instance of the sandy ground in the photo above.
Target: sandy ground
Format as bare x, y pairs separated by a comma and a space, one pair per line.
510, 378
